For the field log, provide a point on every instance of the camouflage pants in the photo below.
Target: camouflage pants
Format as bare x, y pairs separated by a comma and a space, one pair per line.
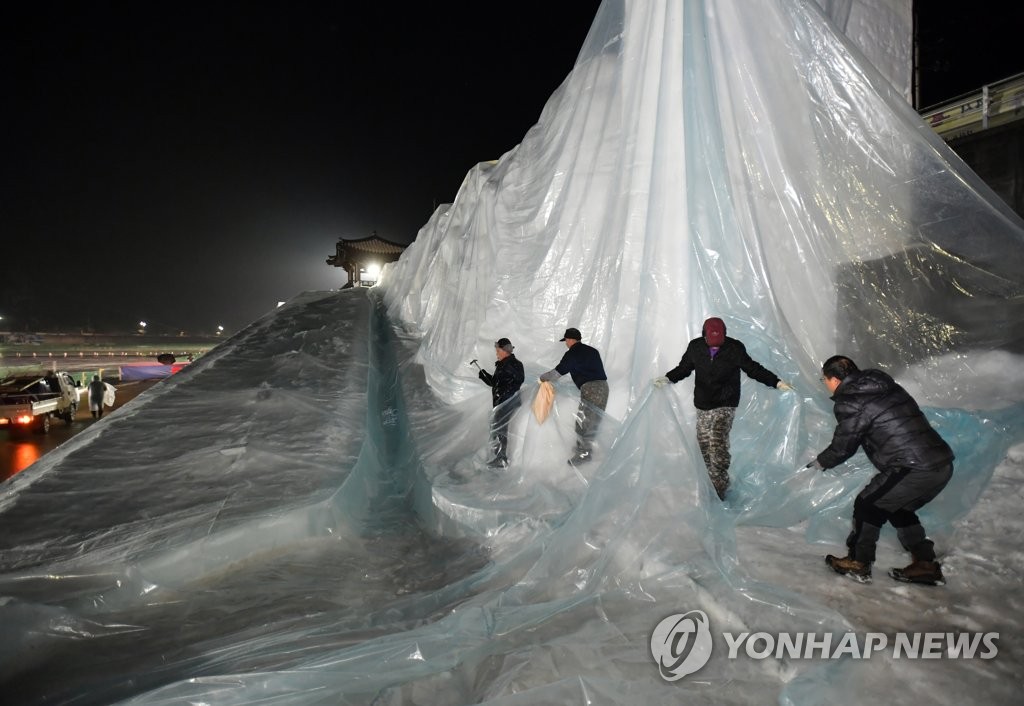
593, 398
713, 427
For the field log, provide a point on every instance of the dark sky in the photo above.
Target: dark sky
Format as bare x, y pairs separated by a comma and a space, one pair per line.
192, 164
962, 46
203, 159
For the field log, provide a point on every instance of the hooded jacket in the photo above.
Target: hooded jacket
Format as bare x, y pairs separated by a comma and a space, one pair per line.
717, 381
508, 377
874, 412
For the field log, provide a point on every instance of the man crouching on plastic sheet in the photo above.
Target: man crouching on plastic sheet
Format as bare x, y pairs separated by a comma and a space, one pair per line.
914, 464
508, 377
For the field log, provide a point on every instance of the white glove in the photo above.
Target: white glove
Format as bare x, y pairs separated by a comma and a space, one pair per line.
660, 381
784, 386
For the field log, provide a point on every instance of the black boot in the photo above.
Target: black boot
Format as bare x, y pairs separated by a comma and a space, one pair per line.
579, 458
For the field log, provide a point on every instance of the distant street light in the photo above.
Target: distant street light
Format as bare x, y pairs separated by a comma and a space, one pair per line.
220, 330
142, 327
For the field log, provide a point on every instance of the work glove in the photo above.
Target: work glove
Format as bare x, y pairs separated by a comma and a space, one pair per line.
784, 386
815, 465
660, 382
550, 376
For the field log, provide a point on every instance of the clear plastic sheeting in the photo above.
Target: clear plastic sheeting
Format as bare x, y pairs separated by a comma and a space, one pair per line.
306, 514
743, 162
882, 30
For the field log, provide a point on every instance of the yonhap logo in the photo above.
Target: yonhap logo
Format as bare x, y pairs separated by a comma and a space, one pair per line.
681, 644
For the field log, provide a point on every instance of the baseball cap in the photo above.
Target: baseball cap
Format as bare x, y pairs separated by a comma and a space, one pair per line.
573, 333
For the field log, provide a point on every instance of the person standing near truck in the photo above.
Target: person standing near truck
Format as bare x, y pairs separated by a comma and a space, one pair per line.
97, 389
52, 382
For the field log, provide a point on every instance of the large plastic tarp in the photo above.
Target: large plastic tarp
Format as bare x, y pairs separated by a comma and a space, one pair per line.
145, 371
306, 515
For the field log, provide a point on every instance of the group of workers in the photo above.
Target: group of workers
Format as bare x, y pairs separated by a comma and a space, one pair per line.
581, 362
872, 412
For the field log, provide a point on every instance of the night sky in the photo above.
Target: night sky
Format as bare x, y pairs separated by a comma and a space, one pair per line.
192, 164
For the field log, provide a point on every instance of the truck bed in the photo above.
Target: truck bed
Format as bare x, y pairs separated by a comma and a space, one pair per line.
14, 404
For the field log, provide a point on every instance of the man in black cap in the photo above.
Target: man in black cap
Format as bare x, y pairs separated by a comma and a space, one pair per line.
717, 361
584, 364
508, 377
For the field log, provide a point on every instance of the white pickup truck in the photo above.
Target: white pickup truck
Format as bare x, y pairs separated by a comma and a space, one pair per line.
31, 401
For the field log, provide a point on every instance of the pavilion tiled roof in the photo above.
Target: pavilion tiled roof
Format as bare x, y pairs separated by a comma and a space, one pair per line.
375, 245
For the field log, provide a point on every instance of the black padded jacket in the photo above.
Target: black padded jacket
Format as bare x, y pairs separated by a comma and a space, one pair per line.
717, 380
874, 412
508, 377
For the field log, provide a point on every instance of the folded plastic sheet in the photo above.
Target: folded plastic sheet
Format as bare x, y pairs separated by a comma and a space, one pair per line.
305, 514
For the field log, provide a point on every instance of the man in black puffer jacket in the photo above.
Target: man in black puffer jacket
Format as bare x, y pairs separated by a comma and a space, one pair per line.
504, 383
914, 464
717, 361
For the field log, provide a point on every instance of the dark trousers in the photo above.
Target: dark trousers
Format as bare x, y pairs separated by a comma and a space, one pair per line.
895, 496
501, 417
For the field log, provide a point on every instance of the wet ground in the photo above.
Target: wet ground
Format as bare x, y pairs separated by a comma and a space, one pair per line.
19, 451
